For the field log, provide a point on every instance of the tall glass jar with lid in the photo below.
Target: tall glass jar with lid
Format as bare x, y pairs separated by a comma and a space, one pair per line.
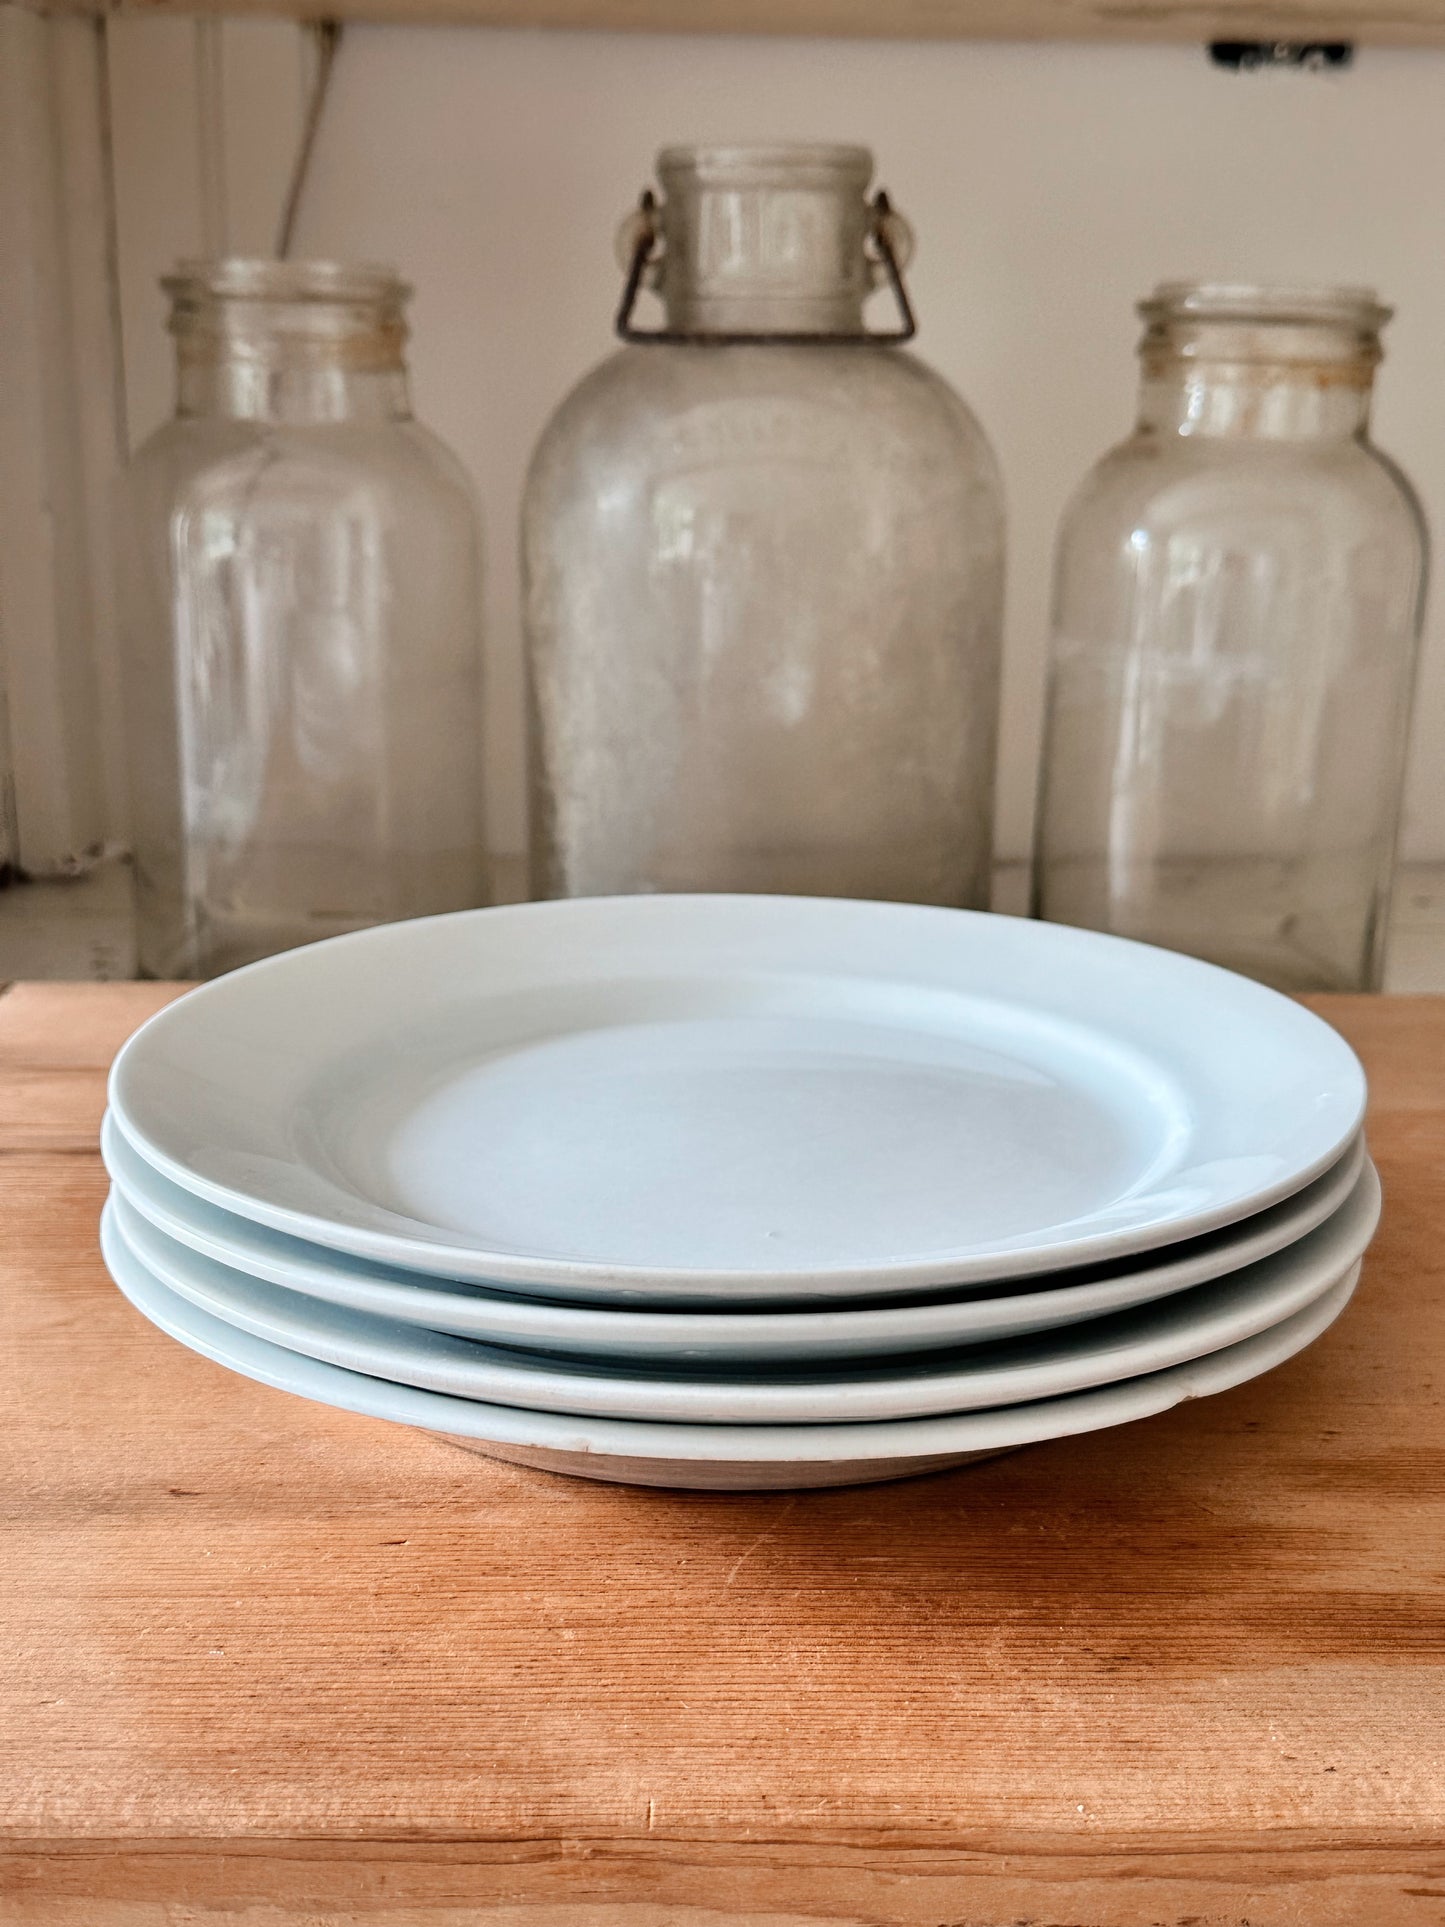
763, 558
301, 617
1237, 603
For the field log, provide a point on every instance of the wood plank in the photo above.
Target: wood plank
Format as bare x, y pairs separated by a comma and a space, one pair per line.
67, 1026
56, 1044
396, 1883
266, 1663
1377, 22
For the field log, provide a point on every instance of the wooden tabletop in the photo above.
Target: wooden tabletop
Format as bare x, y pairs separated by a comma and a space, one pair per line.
265, 1664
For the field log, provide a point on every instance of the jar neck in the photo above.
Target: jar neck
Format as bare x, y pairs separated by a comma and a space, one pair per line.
233, 388
1229, 401
1259, 364
765, 240
305, 343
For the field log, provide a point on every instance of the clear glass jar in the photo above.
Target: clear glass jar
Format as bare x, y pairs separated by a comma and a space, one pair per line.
763, 576
301, 622
1237, 602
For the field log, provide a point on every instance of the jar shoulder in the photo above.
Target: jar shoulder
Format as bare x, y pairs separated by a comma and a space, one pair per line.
1153, 485
643, 402
363, 466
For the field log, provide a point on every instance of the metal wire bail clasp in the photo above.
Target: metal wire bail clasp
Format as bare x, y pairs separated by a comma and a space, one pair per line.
890, 244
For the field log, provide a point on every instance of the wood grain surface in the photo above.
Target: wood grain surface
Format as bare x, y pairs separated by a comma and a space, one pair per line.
267, 1664
1403, 23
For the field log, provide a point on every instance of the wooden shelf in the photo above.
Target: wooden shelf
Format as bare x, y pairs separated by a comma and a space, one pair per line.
1376, 22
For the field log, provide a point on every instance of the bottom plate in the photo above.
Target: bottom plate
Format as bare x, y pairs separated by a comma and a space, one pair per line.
716, 1457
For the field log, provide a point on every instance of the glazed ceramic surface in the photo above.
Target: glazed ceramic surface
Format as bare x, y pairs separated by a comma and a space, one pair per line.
1126, 1345
692, 1338
722, 1457
705, 1099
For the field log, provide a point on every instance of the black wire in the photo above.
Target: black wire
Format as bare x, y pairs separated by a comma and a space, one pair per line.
328, 39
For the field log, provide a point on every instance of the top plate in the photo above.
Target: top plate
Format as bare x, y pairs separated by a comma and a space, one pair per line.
707, 1098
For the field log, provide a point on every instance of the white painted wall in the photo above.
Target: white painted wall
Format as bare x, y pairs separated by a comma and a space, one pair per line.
1050, 186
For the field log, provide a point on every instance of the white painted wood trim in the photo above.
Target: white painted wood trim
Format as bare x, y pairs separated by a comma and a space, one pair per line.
124, 145
60, 438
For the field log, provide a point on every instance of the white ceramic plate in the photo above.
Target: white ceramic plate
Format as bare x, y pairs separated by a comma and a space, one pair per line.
711, 1098
733, 1457
693, 1338
1125, 1345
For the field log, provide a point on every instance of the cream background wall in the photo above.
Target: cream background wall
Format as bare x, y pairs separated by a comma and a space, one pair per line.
1050, 186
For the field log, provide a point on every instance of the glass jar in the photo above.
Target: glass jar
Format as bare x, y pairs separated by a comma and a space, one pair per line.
1237, 603
763, 564
301, 625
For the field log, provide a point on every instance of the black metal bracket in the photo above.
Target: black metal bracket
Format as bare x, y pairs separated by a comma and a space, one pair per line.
646, 250
1315, 56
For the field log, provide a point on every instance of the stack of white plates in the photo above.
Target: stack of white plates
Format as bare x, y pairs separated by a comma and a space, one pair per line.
738, 1191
